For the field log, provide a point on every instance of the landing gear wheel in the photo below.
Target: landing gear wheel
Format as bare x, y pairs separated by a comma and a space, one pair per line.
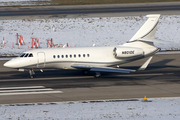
85, 72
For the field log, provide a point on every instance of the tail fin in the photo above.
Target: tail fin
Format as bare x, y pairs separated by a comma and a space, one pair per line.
148, 30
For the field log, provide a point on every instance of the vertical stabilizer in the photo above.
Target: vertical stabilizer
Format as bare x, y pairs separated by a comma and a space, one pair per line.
148, 30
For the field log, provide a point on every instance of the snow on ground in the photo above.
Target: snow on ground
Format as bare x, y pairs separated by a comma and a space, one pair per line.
156, 108
21, 2
84, 32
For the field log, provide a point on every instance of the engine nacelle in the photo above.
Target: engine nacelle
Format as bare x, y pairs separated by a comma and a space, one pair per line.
127, 52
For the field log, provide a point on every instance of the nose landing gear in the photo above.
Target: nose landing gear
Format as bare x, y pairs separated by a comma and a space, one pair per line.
31, 73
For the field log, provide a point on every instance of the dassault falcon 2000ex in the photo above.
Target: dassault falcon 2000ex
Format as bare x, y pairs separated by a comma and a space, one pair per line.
97, 59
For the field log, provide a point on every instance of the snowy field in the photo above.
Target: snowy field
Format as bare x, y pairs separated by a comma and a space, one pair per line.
84, 32
21, 2
155, 109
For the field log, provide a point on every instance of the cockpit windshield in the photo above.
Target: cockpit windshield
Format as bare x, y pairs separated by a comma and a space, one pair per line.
30, 55
22, 54
26, 55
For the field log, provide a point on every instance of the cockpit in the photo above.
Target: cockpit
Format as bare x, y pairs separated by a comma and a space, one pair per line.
26, 55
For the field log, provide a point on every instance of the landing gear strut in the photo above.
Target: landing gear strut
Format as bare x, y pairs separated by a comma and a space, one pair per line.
31, 73
97, 74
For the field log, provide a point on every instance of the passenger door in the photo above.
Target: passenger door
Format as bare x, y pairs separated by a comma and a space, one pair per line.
41, 60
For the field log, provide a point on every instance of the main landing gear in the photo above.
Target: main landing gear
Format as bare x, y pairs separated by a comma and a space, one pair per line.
85, 72
97, 74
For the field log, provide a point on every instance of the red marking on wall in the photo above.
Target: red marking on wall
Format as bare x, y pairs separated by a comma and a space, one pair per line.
3, 41
35, 43
50, 43
19, 40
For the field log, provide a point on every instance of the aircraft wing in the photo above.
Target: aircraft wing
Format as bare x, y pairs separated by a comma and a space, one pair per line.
111, 69
103, 69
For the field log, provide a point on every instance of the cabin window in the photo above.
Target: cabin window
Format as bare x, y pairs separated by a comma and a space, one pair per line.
58, 56
70, 56
74, 55
30, 55
79, 55
84, 55
54, 56
66, 56
88, 55
62, 56
22, 54
26, 55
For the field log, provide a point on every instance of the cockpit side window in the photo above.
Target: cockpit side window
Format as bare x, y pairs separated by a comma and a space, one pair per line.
22, 54
30, 55
26, 55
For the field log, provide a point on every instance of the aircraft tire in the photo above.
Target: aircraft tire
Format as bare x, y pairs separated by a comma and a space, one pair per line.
85, 72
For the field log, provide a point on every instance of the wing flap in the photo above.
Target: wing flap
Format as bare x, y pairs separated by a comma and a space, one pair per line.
117, 70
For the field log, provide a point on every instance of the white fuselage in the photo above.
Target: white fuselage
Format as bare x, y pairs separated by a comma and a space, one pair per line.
64, 58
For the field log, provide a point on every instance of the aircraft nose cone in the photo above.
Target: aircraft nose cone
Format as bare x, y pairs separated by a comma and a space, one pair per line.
10, 64
7, 64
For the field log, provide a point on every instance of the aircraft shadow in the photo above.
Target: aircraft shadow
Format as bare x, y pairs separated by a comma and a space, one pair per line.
154, 66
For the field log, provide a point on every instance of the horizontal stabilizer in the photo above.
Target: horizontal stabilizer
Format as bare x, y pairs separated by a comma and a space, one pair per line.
154, 40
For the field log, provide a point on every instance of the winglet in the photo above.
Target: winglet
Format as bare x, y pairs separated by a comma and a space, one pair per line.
144, 66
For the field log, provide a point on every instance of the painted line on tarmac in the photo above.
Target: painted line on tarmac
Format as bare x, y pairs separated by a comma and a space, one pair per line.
27, 93
22, 87
3, 91
27, 90
54, 78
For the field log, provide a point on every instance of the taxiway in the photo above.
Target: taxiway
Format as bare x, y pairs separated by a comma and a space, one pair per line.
161, 79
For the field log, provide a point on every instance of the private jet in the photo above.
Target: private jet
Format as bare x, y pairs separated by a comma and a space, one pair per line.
97, 59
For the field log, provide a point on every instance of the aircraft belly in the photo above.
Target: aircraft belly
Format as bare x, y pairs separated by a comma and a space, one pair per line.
56, 65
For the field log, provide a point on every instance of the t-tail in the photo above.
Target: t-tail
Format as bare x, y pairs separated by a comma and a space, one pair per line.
145, 36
